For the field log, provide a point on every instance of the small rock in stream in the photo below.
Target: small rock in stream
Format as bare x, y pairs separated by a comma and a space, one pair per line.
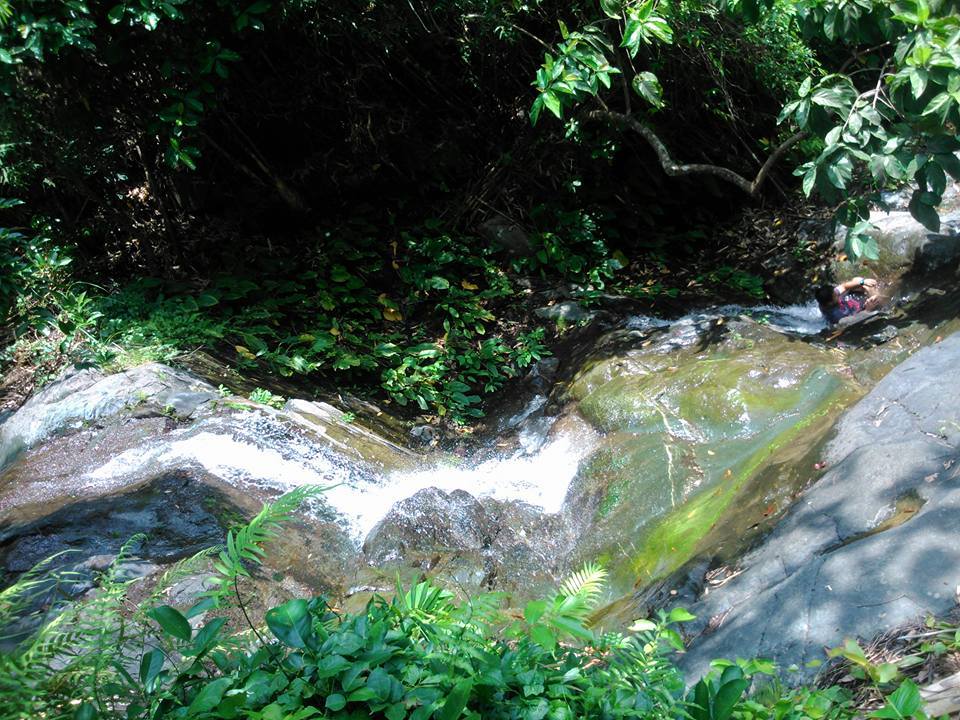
423, 434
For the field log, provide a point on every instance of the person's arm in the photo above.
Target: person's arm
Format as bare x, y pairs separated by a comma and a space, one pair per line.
856, 283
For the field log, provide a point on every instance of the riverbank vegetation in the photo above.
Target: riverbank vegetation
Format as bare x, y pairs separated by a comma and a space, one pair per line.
420, 654
368, 196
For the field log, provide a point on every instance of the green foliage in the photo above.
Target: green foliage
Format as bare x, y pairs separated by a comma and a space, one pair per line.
36, 31
737, 280
245, 546
885, 107
265, 397
899, 128
586, 59
420, 654
67, 657
430, 318
35, 271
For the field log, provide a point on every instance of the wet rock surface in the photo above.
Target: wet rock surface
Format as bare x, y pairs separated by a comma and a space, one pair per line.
85, 395
693, 410
495, 544
835, 566
175, 515
906, 246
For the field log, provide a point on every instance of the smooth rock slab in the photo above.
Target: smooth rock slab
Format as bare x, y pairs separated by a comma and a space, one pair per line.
830, 570
83, 395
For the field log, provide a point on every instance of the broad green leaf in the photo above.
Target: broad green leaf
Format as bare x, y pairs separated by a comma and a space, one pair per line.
544, 637
660, 29
85, 711
936, 178
291, 623
870, 249
207, 636
727, 697
829, 97
905, 702
172, 622
787, 111
456, 700
679, 615
803, 113
209, 697
950, 163
632, 34
535, 109
918, 81
379, 682
611, 8
150, 666
700, 709
552, 102
437, 283
940, 106
809, 179
534, 609
647, 86
924, 213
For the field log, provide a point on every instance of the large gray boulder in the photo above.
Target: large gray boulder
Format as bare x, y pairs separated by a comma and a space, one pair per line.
84, 395
907, 246
872, 545
480, 543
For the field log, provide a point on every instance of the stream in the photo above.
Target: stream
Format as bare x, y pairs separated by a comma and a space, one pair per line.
654, 443
672, 451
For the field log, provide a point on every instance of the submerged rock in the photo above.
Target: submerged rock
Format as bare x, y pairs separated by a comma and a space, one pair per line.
853, 557
689, 424
491, 544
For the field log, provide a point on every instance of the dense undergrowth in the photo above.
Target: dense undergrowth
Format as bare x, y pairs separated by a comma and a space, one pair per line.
420, 654
435, 321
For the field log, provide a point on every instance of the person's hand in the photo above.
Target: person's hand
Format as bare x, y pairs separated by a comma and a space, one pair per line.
869, 282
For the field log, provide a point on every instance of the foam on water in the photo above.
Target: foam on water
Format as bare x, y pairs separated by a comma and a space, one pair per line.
797, 319
360, 499
794, 319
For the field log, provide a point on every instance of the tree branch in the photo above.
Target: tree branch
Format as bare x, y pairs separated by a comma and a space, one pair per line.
674, 169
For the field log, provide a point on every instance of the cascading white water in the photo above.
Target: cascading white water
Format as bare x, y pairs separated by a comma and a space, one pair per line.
262, 452
791, 319
259, 449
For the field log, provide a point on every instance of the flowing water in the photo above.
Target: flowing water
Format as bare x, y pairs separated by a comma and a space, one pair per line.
661, 441
260, 450
686, 411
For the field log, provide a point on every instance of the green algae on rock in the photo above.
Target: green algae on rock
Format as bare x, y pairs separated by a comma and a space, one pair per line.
687, 429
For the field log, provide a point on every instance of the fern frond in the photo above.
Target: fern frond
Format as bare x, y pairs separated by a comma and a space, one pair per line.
174, 574
37, 581
246, 544
587, 583
484, 611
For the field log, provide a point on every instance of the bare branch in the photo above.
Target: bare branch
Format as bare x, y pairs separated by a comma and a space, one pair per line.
674, 169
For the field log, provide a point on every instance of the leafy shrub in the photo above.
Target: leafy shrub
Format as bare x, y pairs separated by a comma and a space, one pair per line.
265, 397
418, 655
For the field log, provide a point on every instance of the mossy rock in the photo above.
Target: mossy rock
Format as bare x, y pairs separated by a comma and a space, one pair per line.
685, 433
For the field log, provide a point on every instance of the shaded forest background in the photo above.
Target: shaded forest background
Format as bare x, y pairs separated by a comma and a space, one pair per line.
388, 114
379, 195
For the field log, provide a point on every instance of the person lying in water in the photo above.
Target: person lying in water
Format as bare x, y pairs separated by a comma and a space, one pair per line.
848, 298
